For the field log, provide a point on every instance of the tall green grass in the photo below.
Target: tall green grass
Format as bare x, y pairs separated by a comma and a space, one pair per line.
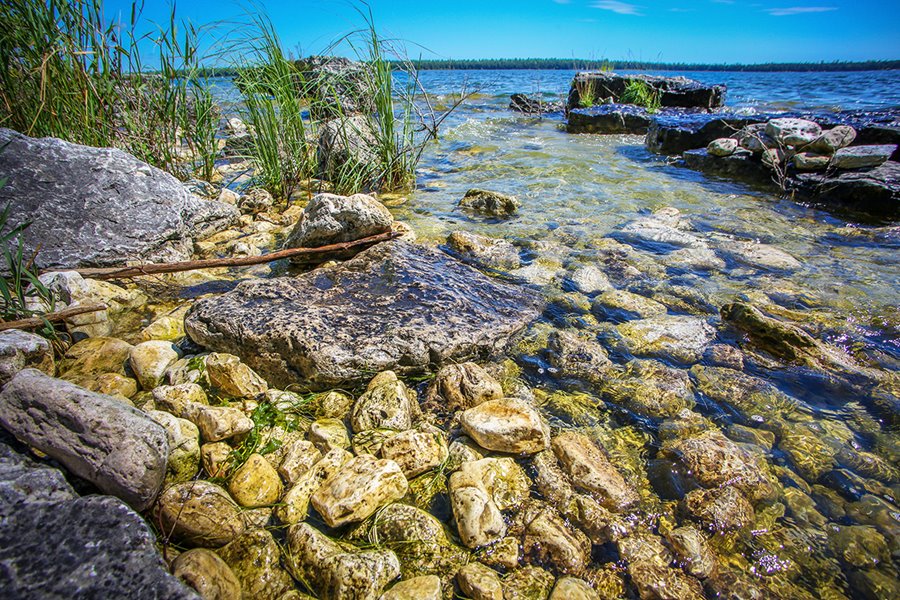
641, 94
67, 71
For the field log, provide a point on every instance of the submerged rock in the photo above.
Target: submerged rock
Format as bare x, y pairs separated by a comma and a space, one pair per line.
255, 558
650, 388
609, 119
590, 469
396, 306
463, 386
506, 425
673, 337
100, 206
720, 509
488, 203
482, 250
114, 446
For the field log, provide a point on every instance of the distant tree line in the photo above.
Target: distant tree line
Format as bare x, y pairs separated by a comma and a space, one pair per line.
572, 64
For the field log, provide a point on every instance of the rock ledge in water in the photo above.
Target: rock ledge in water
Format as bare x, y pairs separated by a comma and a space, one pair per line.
397, 306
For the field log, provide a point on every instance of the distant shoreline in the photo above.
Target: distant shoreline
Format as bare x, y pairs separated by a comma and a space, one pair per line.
571, 64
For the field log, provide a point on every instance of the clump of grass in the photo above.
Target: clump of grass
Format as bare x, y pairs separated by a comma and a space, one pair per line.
587, 92
68, 72
639, 93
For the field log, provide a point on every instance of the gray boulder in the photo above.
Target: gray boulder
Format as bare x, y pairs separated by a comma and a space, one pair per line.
337, 86
397, 306
21, 350
54, 544
672, 91
485, 251
347, 150
331, 219
100, 206
114, 446
859, 157
793, 132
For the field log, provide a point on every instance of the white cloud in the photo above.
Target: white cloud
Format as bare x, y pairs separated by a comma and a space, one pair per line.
622, 8
562, 1
799, 10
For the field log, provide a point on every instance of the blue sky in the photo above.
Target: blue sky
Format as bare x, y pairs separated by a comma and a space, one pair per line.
717, 31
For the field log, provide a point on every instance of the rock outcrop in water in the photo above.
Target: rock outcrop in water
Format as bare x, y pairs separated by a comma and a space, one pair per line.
100, 206
396, 306
672, 91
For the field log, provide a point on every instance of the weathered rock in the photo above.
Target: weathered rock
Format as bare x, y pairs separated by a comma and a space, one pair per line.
360, 575
575, 357
395, 306
740, 166
549, 540
502, 478
347, 146
177, 398
337, 86
572, 588
506, 425
233, 378
199, 513
488, 203
590, 470
50, 538
331, 219
387, 403
674, 337
621, 305
328, 434
93, 356
875, 191
661, 230
672, 91
832, 140
208, 574
295, 504
112, 384
650, 388
692, 551
256, 560
416, 451
609, 119
184, 446
484, 251
426, 587
720, 509
858, 157
463, 386
100, 206
299, 458
793, 132
722, 147
149, 361
589, 280
477, 516
255, 201
675, 133
22, 350
533, 105
255, 483
479, 582
358, 489
648, 561
218, 423
114, 446
809, 161
527, 583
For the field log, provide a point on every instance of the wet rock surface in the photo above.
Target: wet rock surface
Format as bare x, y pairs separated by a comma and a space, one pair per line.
609, 119
395, 306
99, 206
672, 91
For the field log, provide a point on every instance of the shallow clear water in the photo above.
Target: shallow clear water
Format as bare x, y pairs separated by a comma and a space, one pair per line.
578, 191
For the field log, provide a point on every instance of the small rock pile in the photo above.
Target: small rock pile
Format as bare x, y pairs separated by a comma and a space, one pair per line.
801, 144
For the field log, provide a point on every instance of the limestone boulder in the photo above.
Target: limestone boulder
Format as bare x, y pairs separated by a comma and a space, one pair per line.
425, 587
832, 140
22, 350
359, 488
793, 132
722, 147
199, 513
347, 148
859, 157
114, 446
331, 219
416, 451
149, 361
184, 446
386, 404
484, 251
218, 423
233, 378
506, 425
255, 483
479, 582
396, 306
100, 206
463, 386
590, 469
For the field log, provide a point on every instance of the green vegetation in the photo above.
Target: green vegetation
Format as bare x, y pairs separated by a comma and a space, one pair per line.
65, 71
637, 92
570, 64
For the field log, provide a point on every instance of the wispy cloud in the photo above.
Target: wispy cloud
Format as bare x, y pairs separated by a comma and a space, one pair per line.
622, 8
562, 1
681, 10
799, 10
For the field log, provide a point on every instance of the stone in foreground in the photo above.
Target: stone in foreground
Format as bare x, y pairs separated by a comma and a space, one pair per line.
506, 425
397, 306
114, 446
100, 206
358, 489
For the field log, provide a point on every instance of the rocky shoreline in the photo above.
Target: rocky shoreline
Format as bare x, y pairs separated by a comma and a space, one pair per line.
371, 428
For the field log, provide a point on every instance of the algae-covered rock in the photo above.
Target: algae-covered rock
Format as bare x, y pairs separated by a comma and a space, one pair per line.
199, 513
358, 488
184, 446
590, 469
650, 388
677, 338
572, 588
358, 575
548, 539
488, 203
327, 434
692, 551
387, 403
255, 483
256, 560
484, 251
463, 386
858, 546
755, 398
416, 451
506, 425
149, 361
806, 450
621, 305
720, 509
425, 587
479, 582
575, 357
528, 583
208, 574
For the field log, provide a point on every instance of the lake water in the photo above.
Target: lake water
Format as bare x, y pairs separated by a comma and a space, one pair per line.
833, 528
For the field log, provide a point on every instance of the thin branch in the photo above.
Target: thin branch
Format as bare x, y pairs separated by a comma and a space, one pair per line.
62, 315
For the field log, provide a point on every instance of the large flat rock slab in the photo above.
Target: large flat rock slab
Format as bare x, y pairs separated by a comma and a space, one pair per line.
397, 306
673, 91
98, 207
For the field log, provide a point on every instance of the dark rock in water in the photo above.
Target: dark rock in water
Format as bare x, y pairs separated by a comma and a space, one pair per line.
609, 118
336, 86
489, 203
673, 91
100, 206
741, 165
875, 191
397, 306
533, 106
54, 544
881, 134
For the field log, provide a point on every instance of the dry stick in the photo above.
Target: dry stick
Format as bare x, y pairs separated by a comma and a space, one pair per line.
51, 317
190, 265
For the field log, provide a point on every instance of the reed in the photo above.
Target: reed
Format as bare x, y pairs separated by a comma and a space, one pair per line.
67, 71
639, 93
